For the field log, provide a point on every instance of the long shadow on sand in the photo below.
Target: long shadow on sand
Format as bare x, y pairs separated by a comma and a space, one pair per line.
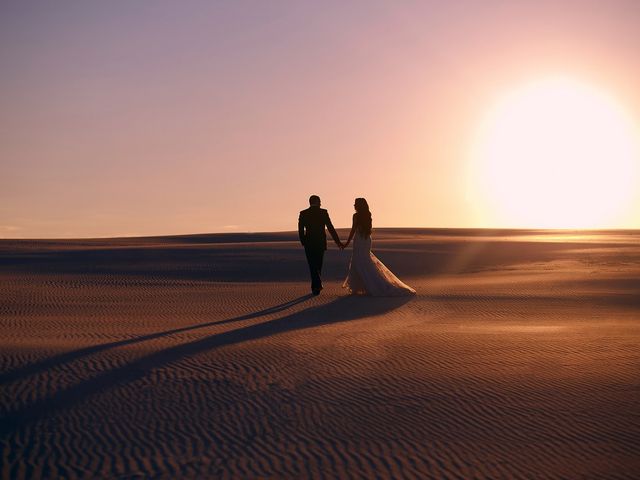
341, 310
51, 362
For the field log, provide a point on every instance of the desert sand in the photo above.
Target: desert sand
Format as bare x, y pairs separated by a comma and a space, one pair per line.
204, 356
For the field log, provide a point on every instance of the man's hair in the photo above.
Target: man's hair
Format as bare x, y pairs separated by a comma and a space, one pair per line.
314, 200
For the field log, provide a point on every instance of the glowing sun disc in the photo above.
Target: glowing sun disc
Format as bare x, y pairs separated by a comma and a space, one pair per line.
555, 154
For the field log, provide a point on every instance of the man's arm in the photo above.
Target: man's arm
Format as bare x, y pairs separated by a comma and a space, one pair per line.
332, 231
301, 229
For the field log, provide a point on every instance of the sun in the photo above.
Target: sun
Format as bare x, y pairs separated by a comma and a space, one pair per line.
555, 153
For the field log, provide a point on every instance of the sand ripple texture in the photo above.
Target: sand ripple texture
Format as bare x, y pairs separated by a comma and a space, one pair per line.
204, 357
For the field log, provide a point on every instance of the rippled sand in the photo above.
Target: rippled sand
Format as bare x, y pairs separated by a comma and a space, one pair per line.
204, 357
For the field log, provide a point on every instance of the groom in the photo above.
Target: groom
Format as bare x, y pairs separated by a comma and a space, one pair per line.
311, 229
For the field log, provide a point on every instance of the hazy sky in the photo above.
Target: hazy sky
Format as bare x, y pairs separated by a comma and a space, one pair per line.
158, 117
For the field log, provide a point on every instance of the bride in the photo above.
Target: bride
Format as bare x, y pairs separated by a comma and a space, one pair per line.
368, 275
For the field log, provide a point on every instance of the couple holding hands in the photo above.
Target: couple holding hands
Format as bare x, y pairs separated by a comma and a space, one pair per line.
367, 275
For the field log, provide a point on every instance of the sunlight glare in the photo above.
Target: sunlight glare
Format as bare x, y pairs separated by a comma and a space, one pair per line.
555, 154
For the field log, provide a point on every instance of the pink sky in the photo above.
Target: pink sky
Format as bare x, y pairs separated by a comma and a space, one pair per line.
161, 117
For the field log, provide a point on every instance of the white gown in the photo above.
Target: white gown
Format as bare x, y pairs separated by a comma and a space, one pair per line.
369, 276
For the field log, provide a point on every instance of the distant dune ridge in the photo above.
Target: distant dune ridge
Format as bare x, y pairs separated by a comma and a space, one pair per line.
204, 356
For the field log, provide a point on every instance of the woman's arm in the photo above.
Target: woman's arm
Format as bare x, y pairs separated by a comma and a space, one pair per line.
352, 232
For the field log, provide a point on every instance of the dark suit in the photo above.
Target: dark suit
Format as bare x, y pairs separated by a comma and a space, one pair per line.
311, 229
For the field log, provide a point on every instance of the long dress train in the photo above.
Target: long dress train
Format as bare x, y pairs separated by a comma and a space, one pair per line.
369, 276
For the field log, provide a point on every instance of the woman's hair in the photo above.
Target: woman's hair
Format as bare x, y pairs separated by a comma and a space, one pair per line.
363, 217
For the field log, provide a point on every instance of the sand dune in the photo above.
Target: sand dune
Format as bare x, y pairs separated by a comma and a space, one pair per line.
203, 356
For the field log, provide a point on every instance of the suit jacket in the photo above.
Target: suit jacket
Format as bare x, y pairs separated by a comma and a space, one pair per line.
311, 228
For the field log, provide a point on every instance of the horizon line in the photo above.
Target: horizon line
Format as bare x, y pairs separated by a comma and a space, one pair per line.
294, 232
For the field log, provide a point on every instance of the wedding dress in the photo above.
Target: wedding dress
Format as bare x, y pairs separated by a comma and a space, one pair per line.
369, 276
